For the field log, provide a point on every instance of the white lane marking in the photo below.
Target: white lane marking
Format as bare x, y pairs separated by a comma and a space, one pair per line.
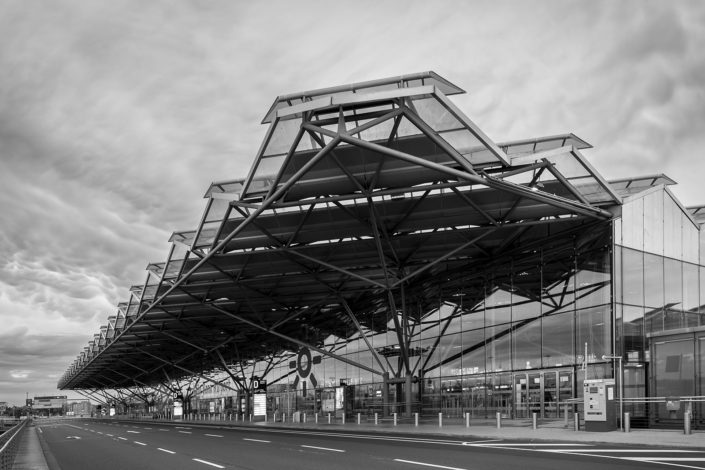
213, 435
139, 443
255, 440
147, 428
134, 432
109, 435
428, 464
209, 463
163, 430
122, 438
185, 432
513, 444
40, 430
181, 427
166, 450
480, 442
665, 459
635, 451
323, 448
100, 432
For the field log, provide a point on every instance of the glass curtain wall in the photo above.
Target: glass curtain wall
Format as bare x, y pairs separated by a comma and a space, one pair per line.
658, 287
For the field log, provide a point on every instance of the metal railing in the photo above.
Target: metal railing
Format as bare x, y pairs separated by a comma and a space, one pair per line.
9, 443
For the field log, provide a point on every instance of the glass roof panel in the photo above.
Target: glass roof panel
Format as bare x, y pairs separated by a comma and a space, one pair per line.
282, 137
435, 114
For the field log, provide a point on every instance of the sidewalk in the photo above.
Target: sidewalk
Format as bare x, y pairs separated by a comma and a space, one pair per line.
29, 454
512, 430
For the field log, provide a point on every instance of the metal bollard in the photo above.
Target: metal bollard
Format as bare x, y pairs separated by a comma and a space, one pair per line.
467, 419
375, 419
328, 418
358, 418
440, 420
265, 417
250, 417
565, 415
343, 418
576, 425
395, 419
416, 419
499, 420
627, 422
304, 417
686, 423
283, 417
534, 420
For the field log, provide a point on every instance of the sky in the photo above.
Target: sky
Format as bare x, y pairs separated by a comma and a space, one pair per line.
116, 116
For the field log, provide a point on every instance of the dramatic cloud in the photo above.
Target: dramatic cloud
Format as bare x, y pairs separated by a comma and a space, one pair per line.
115, 117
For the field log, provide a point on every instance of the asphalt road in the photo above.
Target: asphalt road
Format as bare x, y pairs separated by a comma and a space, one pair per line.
90, 444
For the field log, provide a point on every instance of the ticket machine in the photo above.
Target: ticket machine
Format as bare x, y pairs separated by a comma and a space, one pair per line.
599, 404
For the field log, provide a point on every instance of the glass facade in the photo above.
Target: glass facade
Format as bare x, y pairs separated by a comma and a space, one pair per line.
658, 290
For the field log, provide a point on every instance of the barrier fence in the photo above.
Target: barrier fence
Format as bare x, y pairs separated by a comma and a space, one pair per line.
9, 443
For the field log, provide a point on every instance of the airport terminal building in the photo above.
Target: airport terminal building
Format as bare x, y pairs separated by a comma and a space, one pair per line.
384, 255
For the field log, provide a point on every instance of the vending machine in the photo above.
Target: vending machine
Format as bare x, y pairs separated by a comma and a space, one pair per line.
599, 403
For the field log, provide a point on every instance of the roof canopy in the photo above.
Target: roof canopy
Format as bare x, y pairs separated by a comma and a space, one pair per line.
364, 201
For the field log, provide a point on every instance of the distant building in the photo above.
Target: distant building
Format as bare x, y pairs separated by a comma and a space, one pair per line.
78, 407
3, 407
49, 405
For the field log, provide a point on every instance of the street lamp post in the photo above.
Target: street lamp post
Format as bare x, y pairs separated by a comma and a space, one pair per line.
621, 387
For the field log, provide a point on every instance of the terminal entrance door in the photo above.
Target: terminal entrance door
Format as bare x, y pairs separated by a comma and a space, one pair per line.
541, 392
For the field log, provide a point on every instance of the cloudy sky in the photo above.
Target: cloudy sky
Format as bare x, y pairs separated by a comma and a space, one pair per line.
116, 116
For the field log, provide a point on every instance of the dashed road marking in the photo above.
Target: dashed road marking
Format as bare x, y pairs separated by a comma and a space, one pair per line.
122, 438
428, 464
134, 432
255, 440
185, 432
166, 450
109, 435
324, 448
163, 430
209, 463
139, 443
213, 435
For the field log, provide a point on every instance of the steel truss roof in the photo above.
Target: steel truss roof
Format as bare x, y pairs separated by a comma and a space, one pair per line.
366, 203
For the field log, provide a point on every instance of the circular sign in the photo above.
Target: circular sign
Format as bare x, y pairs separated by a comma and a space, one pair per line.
303, 363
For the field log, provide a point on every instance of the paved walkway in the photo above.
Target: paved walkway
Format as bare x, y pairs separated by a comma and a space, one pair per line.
29, 453
651, 437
